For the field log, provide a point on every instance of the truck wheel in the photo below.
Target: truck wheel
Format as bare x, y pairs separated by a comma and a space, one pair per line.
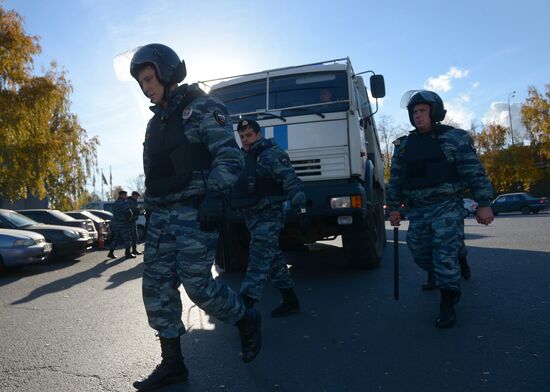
363, 241
232, 247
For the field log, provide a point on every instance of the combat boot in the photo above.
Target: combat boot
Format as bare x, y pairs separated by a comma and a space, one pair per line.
129, 255
248, 301
447, 314
135, 251
249, 331
171, 369
430, 283
290, 304
465, 270
111, 254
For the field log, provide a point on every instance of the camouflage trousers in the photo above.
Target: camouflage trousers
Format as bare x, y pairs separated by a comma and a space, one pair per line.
435, 237
178, 252
133, 233
121, 235
265, 256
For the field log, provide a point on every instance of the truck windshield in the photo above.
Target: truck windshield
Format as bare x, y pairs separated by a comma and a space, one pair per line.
322, 92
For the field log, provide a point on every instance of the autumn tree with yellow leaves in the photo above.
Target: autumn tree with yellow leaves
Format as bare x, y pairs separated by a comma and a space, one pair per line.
43, 149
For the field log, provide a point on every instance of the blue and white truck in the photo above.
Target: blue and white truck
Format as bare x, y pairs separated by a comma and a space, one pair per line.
321, 115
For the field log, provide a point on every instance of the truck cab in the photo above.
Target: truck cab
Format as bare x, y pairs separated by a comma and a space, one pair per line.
321, 115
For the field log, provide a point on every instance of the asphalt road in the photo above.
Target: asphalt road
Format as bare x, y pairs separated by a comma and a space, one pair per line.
81, 326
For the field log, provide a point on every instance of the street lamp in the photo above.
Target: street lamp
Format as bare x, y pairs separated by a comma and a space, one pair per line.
511, 95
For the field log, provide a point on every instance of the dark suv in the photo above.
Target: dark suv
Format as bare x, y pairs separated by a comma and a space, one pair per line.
519, 202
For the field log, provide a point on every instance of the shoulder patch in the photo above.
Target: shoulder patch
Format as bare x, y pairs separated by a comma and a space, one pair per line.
187, 112
284, 160
220, 118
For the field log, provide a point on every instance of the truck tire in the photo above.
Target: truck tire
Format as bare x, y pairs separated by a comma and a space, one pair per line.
364, 240
232, 247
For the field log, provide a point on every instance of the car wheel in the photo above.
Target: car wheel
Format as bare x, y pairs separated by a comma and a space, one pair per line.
2, 266
525, 210
536, 211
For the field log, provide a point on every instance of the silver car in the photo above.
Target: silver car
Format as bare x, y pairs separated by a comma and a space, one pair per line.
20, 247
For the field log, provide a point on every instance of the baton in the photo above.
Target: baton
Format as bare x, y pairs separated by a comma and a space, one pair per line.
396, 263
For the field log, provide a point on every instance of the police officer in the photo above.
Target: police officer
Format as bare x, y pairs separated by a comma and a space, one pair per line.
191, 160
429, 169
120, 225
267, 180
136, 212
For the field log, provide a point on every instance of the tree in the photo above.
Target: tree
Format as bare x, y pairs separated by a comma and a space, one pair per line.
43, 149
509, 168
138, 184
535, 116
388, 132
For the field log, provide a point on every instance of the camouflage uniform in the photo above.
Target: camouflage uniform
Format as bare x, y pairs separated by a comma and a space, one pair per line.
133, 205
436, 228
176, 250
120, 224
265, 220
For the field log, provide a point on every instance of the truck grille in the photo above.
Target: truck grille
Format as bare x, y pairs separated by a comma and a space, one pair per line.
325, 163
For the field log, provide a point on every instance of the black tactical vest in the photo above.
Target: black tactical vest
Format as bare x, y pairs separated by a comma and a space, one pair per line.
172, 159
424, 163
250, 188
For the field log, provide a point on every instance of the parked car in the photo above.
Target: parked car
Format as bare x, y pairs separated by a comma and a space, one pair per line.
20, 247
101, 225
68, 242
56, 217
470, 206
141, 222
519, 202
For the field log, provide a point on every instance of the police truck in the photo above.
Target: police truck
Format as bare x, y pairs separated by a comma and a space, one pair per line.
321, 114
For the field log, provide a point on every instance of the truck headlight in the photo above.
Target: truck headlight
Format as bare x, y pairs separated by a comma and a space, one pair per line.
353, 201
340, 202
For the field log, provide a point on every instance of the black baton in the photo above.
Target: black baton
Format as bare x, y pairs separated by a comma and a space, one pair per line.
396, 263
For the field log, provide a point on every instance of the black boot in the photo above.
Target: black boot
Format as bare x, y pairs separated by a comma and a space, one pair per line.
290, 304
248, 301
430, 283
447, 314
171, 369
129, 255
135, 251
111, 254
249, 331
465, 270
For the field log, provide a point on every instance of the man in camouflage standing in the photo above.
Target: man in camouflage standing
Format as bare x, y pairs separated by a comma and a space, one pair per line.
120, 225
136, 212
429, 169
267, 180
191, 160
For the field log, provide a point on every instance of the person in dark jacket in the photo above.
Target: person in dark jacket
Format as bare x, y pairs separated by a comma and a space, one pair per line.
267, 180
429, 169
191, 159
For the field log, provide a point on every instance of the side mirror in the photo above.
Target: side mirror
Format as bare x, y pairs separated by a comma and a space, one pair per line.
377, 86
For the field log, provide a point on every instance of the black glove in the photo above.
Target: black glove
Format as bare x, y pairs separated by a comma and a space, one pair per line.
211, 211
303, 221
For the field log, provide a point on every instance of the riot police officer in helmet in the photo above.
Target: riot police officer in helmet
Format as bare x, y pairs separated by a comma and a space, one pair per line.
191, 160
430, 168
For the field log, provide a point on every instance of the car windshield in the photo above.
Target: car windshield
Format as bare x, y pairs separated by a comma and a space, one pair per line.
61, 216
17, 219
321, 91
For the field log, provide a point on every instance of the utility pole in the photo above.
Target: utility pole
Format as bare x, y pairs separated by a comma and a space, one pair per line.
511, 95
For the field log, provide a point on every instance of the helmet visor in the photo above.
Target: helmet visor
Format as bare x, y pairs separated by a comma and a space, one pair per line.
121, 64
423, 96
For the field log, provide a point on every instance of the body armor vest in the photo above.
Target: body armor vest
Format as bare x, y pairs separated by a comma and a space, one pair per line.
425, 164
250, 188
172, 159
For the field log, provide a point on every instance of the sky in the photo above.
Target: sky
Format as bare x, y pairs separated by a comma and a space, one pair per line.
474, 53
